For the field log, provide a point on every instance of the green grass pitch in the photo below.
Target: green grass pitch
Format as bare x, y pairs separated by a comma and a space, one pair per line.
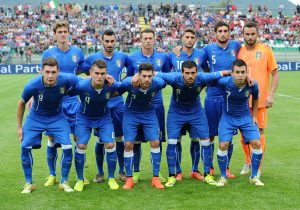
281, 168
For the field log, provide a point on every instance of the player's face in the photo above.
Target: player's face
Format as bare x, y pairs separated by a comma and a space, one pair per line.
239, 74
189, 75
146, 79
50, 74
189, 40
250, 35
98, 76
147, 41
61, 35
109, 43
222, 34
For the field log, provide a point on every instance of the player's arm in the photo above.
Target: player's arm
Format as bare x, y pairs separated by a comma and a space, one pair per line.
208, 78
255, 95
85, 66
274, 85
168, 77
79, 69
20, 115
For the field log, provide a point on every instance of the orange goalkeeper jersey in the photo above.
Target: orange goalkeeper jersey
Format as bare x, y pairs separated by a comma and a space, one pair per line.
261, 62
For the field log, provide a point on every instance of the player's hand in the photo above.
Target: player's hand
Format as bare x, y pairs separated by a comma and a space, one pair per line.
29, 103
250, 81
109, 79
159, 49
20, 134
135, 80
226, 72
255, 121
269, 101
176, 50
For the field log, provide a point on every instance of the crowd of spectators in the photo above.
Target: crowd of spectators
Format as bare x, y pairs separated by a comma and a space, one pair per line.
26, 29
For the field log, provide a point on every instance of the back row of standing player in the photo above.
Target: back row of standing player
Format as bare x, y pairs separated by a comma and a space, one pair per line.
219, 56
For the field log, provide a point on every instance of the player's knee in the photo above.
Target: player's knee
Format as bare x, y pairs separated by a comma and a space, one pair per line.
82, 146
223, 146
51, 138
128, 146
154, 143
109, 146
255, 144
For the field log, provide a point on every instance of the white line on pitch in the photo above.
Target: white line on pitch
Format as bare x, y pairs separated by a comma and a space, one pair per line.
288, 96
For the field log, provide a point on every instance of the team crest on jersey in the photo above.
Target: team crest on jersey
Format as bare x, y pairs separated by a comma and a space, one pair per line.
118, 63
197, 61
62, 90
74, 58
107, 95
158, 62
233, 53
258, 55
247, 93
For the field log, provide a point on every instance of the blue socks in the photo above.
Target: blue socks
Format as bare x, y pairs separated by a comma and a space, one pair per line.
111, 158
137, 156
79, 162
230, 151
27, 162
51, 158
128, 162
120, 153
178, 158
195, 155
206, 153
155, 160
255, 161
222, 160
171, 155
66, 162
99, 153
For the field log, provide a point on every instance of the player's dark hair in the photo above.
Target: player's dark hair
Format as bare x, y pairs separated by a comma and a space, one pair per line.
188, 64
108, 32
250, 25
220, 24
60, 23
147, 30
145, 67
101, 64
239, 63
50, 62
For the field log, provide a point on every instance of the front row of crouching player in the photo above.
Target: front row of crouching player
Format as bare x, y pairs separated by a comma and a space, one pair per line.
185, 111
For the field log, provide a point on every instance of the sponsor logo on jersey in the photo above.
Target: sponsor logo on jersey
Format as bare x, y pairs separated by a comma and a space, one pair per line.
107, 95
233, 53
62, 90
197, 61
247, 93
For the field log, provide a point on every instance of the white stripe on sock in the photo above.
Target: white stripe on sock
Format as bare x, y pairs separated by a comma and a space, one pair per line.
172, 141
128, 154
155, 150
257, 151
111, 150
205, 142
222, 153
80, 151
50, 144
64, 146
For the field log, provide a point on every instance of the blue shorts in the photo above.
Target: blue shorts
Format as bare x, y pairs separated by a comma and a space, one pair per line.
116, 114
213, 109
147, 120
229, 124
84, 126
196, 123
34, 126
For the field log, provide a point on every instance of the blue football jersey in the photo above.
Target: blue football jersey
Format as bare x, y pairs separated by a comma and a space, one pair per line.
47, 100
236, 100
140, 100
186, 98
198, 56
160, 62
115, 66
93, 102
220, 59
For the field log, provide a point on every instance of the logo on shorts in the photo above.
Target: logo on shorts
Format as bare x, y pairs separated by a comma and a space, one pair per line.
247, 93
118, 63
62, 90
258, 55
197, 61
233, 53
74, 58
158, 62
